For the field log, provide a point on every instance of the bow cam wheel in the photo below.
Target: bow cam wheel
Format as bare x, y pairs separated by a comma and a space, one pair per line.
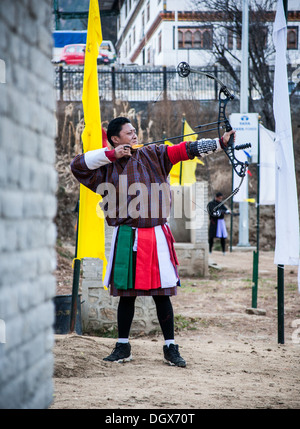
183, 69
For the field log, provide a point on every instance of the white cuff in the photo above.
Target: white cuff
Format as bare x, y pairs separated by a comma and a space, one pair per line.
206, 147
219, 147
96, 158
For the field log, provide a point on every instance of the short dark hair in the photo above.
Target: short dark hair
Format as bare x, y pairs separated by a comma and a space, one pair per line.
219, 194
115, 126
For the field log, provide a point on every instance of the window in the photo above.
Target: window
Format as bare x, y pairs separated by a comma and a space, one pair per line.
133, 36
238, 42
180, 40
195, 38
188, 39
148, 10
233, 40
292, 38
159, 42
230, 39
207, 41
148, 55
143, 22
259, 36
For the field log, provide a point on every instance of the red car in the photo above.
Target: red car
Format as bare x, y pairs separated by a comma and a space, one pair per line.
73, 54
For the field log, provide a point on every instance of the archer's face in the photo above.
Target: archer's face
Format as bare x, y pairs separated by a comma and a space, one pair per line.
127, 136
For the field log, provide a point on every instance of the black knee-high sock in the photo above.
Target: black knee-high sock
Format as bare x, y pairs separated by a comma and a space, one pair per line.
125, 315
165, 316
223, 244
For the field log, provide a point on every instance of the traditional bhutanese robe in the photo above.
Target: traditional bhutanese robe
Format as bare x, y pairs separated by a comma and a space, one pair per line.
136, 201
217, 226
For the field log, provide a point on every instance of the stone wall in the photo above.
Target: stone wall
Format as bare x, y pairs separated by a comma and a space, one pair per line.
190, 229
27, 205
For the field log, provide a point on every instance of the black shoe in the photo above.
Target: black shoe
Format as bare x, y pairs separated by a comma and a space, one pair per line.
120, 354
172, 356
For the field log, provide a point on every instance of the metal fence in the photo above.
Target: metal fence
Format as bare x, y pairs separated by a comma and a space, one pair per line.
142, 84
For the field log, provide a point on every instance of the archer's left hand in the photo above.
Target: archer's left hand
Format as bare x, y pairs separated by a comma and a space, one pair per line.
226, 136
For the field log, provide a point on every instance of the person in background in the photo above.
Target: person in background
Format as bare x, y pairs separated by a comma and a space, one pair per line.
217, 226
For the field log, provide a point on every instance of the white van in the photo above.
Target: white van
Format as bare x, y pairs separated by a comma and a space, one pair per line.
107, 48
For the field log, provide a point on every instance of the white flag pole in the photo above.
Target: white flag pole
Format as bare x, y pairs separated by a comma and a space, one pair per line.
286, 199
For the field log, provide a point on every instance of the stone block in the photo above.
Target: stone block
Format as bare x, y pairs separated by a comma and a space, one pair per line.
27, 205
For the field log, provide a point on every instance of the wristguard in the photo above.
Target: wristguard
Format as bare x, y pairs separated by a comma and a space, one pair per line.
201, 148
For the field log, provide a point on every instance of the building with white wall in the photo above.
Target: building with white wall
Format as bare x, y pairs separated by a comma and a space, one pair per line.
165, 32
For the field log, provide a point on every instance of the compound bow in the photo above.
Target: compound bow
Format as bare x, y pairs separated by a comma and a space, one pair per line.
240, 168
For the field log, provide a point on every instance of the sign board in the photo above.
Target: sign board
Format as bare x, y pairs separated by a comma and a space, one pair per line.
246, 127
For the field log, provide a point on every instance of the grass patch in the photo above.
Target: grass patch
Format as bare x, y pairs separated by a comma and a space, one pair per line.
111, 332
185, 323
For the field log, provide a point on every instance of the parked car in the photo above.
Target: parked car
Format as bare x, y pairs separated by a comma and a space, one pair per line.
107, 48
73, 54
102, 59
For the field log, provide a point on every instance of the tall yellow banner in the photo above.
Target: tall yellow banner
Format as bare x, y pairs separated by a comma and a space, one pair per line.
183, 173
188, 176
91, 232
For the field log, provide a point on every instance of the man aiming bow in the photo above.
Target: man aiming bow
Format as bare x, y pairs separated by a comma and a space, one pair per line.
142, 259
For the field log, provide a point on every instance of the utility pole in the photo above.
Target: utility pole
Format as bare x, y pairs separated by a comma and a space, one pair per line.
243, 206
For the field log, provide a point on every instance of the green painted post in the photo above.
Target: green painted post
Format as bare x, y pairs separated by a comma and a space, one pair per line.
280, 303
256, 253
254, 279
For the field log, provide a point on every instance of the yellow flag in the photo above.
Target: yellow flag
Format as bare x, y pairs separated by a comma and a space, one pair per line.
188, 176
91, 232
185, 170
175, 171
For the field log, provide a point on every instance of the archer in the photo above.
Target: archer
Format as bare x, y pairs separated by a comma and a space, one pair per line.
143, 260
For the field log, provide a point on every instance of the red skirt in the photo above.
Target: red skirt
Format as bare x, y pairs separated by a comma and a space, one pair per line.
153, 266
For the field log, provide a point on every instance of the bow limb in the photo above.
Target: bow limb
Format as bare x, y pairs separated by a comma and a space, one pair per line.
225, 96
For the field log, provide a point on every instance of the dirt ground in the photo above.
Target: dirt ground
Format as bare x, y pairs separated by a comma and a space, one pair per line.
233, 357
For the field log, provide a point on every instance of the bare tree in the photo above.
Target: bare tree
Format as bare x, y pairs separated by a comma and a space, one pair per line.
227, 18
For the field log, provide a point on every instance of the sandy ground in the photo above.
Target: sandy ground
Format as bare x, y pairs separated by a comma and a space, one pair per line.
233, 358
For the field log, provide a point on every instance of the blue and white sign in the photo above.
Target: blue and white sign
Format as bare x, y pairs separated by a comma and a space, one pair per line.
246, 127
